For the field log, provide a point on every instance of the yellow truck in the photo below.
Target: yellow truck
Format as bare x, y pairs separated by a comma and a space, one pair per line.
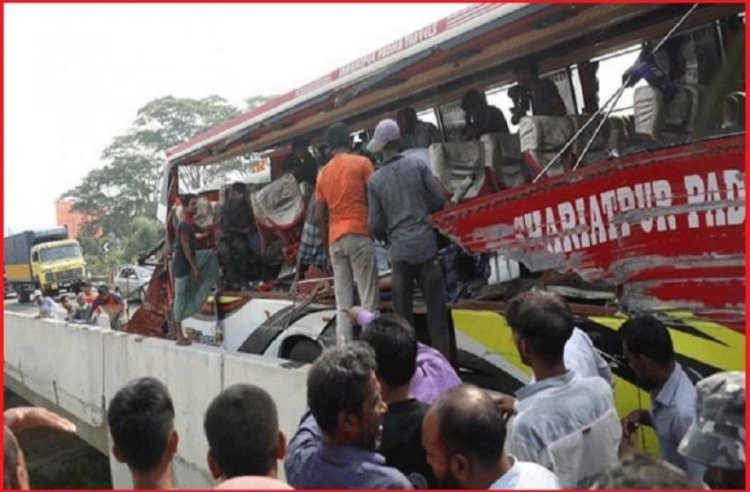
45, 260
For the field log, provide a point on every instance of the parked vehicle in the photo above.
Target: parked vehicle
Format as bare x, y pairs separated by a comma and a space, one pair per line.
130, 281
45, 260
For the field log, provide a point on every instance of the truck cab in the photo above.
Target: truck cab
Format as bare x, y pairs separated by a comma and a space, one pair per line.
46, 259
57, 265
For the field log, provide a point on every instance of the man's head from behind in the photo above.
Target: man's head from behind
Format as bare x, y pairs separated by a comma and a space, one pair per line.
463, 434
299, 146
141, 420
407, 120
343, 394
338, 137
473, 101
526, 72
15, 471
542, 324
648, 347
395, 346
242, 429
716, 437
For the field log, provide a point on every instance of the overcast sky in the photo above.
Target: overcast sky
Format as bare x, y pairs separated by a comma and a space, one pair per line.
75, 75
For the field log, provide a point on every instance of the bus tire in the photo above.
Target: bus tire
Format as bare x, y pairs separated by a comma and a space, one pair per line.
304, 350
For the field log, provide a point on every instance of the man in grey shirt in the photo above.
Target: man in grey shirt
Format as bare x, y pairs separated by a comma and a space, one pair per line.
400, 196
648, 348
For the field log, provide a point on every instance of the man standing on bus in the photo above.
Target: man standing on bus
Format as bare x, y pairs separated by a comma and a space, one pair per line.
341, 211
401, 195
545, 98
481, 118
301, 163
415, 134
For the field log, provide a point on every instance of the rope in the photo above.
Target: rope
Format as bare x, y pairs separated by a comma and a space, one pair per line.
613, 99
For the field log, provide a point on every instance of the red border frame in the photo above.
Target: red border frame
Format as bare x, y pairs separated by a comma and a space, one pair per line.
747, 85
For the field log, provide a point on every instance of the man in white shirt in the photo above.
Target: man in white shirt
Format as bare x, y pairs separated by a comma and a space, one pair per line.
47, 307
463, 434
564, 422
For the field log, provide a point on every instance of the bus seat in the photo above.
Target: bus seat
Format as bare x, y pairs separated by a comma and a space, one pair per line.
542, 137
733, 115
279, 204
655, 118
204, 217
648, 105
617, 134
599, 149
629, 122
459, 166
504, 158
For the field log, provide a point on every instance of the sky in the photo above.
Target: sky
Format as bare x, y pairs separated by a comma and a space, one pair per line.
75, 75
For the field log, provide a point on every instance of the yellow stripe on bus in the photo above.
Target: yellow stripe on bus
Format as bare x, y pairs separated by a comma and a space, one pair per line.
726, 351
492, 331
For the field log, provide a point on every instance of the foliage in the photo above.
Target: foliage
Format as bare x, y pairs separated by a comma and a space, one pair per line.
119, 199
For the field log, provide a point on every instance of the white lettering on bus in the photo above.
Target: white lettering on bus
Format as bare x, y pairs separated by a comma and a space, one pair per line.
598, 219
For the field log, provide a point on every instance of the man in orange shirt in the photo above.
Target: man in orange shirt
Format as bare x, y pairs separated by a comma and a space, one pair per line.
341, 211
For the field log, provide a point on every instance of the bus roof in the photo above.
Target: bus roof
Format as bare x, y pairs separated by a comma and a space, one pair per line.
457, 49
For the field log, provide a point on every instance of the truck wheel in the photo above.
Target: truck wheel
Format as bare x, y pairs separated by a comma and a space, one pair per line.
23, 296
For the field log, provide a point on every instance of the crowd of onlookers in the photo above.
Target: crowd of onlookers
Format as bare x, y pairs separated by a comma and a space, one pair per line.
386, 412
84, 307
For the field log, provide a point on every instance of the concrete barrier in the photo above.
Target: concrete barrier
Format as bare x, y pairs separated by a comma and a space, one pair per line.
79, 368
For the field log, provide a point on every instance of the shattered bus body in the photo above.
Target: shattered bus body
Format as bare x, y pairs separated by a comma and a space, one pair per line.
647, 214
666, 225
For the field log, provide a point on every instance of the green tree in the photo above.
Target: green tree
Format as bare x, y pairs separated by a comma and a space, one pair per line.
119, 197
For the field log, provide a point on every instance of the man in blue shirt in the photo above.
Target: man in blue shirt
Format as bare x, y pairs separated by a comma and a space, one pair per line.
400, 196
648, 348
334, 448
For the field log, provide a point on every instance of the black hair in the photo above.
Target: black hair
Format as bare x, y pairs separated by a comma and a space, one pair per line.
10, 458
544, 320
338, 382
299, 143
242, 429
470, 424
239, 187
473, 99
649, 337
527, 64
338, 136
141, 419
407, 111
186, 197
395, 346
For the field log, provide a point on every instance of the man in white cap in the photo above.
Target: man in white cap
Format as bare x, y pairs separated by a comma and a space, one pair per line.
400, 196
47, 307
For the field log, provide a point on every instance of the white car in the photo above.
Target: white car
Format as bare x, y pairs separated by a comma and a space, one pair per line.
131, 281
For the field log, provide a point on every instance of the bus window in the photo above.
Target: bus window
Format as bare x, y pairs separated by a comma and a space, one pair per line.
428, 116
561, 78
498, 97
611, 68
